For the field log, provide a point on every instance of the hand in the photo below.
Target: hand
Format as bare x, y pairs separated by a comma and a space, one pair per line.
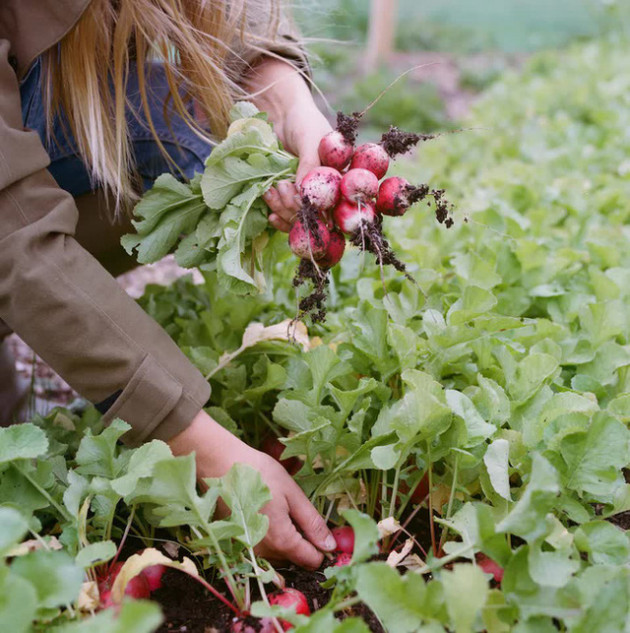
217, 450
298, 123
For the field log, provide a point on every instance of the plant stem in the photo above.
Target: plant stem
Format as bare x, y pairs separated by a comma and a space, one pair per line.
346, 604
450, 502
431, 522
233, 587
445, 560
392, 504
64, 513
217, 595
124, 536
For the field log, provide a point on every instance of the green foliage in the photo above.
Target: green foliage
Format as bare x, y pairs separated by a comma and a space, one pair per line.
217, 221
409, 105
503, 376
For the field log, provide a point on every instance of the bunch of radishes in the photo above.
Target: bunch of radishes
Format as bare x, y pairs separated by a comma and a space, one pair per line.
344, 198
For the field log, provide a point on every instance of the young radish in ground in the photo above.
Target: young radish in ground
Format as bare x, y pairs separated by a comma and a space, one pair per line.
290, 598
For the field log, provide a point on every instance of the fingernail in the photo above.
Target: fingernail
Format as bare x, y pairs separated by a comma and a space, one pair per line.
330, 543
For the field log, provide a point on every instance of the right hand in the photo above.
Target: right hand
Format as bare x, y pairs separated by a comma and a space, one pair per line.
296, 530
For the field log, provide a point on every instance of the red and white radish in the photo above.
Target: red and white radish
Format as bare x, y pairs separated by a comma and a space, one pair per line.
343, 559
335, 250
371, 156
265, 625
344, 537
321, 188
490, 567
288, 598
137, 588
335, 150
396, 195
153, 576
309, 244
350, 217
359, 185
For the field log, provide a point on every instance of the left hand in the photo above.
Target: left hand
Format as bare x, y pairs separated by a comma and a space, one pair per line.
299, 125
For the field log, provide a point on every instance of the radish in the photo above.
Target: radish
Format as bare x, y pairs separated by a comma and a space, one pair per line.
288, 598
359, 185
490, 567
372, 157
274, 448
344, 537
343, 559
309, 241
335, 150
241, 626
153, 576
321, 188
396, 195
137, 587
350, 217
335, 250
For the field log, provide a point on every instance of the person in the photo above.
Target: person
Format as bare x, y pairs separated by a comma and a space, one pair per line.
97, 98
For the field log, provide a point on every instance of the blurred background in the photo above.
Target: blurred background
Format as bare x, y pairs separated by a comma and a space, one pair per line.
361, 46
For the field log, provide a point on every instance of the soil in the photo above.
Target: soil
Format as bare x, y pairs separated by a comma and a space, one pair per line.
621, 520
189, 608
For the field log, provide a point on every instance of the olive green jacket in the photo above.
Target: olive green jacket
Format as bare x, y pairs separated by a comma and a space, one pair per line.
54, 293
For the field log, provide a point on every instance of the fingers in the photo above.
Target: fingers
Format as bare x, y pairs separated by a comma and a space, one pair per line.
284, 542
278, 223
284, 203
306, 164
309, 520
290, 197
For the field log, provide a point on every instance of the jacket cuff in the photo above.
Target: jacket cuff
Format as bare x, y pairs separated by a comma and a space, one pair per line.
157, 404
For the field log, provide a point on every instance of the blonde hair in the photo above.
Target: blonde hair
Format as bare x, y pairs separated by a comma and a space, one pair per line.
196, 41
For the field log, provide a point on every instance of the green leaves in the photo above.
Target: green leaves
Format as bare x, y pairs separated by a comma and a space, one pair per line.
12, 528
218, 220
365, 535
244, 492
465, 593
400, 602
23, 441
593, 458
53, 574
527, 517
168, 210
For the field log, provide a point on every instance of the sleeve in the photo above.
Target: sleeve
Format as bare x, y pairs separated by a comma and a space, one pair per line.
68, 308
268, 28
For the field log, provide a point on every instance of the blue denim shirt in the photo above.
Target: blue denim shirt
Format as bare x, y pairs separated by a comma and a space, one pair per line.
187, 150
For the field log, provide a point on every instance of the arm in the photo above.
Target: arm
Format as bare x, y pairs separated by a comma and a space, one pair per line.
284, 94
58, 298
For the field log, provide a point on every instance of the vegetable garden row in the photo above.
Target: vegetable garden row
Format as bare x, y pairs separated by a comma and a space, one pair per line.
470, 426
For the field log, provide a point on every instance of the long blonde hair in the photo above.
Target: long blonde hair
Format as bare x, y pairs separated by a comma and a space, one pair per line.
86, 75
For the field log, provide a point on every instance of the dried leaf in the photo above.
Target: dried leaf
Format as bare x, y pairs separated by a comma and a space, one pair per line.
388, 526
32, 545
89, 599
396, 558
287, 330
136, 563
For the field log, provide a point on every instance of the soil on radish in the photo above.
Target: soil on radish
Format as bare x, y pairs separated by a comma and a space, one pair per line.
348, 124
314, 304
372, 240
396, 142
